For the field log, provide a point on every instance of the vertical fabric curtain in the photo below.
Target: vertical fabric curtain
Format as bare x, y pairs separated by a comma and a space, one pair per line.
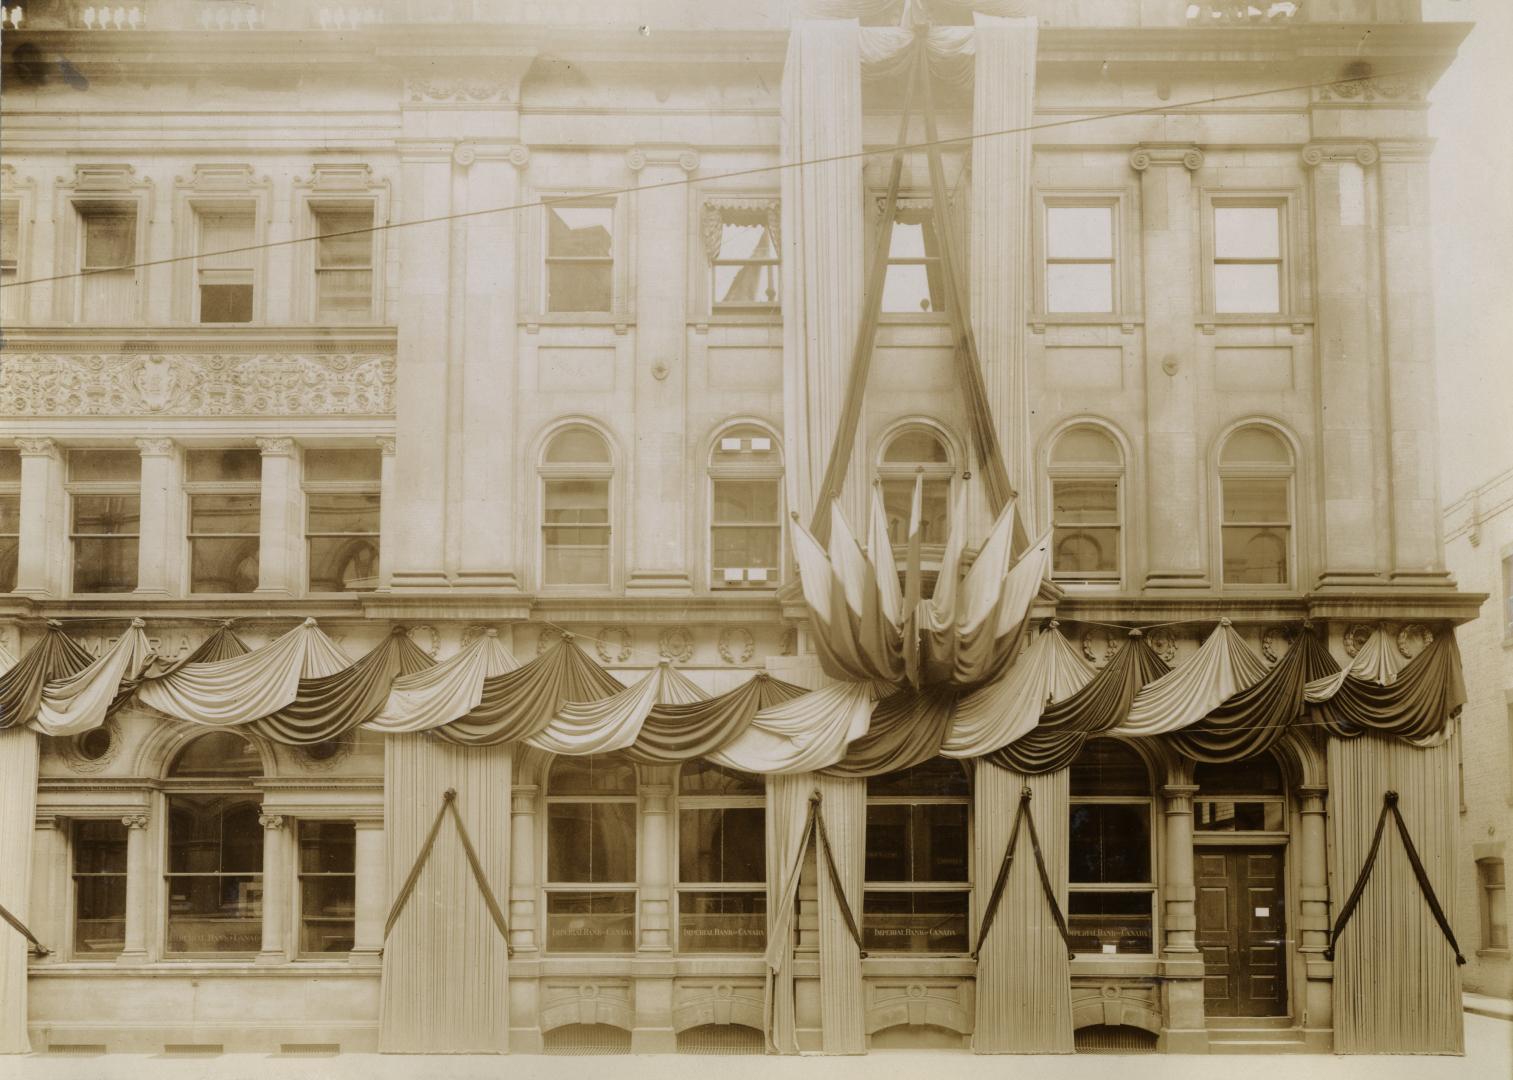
842, 996
787, 857
18, 812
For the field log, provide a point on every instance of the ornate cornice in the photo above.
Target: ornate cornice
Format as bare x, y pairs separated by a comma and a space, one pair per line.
685, 158
1188, 155
1318, 153
1410, 87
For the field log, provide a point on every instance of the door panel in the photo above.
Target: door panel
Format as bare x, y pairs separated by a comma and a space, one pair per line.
1242, 931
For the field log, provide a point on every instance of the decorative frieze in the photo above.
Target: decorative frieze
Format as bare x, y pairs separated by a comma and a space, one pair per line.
675, 644
736, 645
1410, 87
470, 91
123, 384
613, 644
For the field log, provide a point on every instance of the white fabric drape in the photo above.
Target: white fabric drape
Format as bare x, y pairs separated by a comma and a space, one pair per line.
985, 581
18, 812
612, 723
950, 51
1222, 667
788, 811
79, 703
1376, 661
997, 714
1022, 584
450, 690
245, 687
803, 735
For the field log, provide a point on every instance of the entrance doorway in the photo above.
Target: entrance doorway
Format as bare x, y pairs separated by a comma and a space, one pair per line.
1242, 930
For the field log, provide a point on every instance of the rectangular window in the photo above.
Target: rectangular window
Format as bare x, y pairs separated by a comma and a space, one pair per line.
916, 856
1248, 815
344, 265
99, 852
327, 887
1109, 906
10, 519
10, 258
108, 282
225, 269
913, 282
576, 532
745, 533
1086, 539
1256, 530
743, 258
215, 875
1494, 903
342, 493
1079, 259
898, 502
580, 262
105, 511
223, 488
591, 843
722, 846
1247, 271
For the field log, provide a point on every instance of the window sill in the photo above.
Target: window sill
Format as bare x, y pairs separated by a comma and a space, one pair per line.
1298, 323
897, 964
619, 323
1042, 319
179, 969
740, 318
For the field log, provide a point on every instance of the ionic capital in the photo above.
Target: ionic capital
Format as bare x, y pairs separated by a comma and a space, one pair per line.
386, 445
135, 821
685, 158
271, 821
277, 447
1145, 155
1319, 153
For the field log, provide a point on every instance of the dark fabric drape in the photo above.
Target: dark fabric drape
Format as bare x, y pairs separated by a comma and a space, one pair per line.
1252, 721
56, 656
674, 733
1100, 705
520, 703
1428, 691
907, 730
332, 705
221, 645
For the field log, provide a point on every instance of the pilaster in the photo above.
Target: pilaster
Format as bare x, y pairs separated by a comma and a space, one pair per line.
138, 904
44, 519
368, 902
388, 510
1313, 897
49, 917
1181, 961
158, 562
275, 948
280, 520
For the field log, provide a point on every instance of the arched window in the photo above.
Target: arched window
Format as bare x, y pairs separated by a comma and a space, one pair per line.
1110, 903
745, 509
1240, 796
918, 877
722, 860
1255, 480
591, 855
909, 452
214, 881
1087, 472
576, 470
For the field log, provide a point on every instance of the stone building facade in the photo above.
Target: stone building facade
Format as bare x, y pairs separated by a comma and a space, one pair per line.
572, 348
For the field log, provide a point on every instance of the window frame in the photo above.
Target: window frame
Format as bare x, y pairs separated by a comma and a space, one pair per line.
1091, 471
97, 488
616, 260
201, 208
13, 300
750, 471
548, 886
691, 802
1292, 249
86, 208
1505, 564
337, 487
191, 488
11, 489
72, 908
297, 878
314, 207
949, 470
1153, 886
547, 472
1280, 798
1257, 471
1489, 904
910, 203
710, 223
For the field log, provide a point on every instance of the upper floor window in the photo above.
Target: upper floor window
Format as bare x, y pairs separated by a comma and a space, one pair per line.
1493, 903
223, 488
1255, 479
918, 875
746, 508
214, 879
10, 519
10, 258
225, 270
107, 252
580, 259
1110, 906
916, 451
1247, 258
344, 262
327, 887
914, 281
1243, 796
105, 516
99, 880
1086, 472
591, 855
1079, 258
342, 497
722, 860
741, 241
575, 522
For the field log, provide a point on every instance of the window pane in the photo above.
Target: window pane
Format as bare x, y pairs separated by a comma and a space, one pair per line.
1257, 500
747, 284
591, 842
10, 560
119, 466
10, 467
226, 231
743, 548
707, 778
591, 922
1247, 289
1079, 232
353, 466
215, 913
1256, 776
105, 565
1087, 502
1084, 550
1223, 815
224, 514
1247, 232
888, 843
1256, 445
343, 564
223, 565
99, 851
1110, 842
913, 287
1255, 556
722, 845
913, 239
327, 847
721, 922
214, 833
1073, 287
593, 775
224, 466
916, 447
898, 500
1108, 767
340, 512
739, 502
915, 921
109, 240
1111, 922
938, 776
939, 843
580, 230
326, 922
226, 303
217, 754
579, 286
10, 232
107, 515
215, 860
577, 446
352, 250
344, 295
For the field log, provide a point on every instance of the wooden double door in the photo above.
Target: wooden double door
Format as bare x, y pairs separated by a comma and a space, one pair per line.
1242, 930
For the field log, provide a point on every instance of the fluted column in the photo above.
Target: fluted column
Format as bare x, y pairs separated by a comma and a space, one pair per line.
44, 519
280, 520
1176, 556
1352, 455
158, 560
842, 1009
822, 251
660, 559
1181, 961
369, 909
138, 871
1313, 896
18, 808
1418, 553
275, 891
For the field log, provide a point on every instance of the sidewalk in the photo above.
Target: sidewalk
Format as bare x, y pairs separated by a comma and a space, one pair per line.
1489, 1056
1482, 1005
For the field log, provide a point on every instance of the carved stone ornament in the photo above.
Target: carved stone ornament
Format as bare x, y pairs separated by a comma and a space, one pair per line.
1163, 643
136, 821
326, 755
1100, 644
736, 645
1276, 641
1356, 636
92, 751
637, 158
1362, 153
788, 643
475, 631
1413, 639
613, 645
1188, 156
464, 154
117, 384
676, 644
271, 821
455, 91
549, 637
427, 638
1386, 88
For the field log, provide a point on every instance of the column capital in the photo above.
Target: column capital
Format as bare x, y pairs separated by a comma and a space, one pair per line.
135, 821
1179, 797
1335, 151
1188, 155
655, 798
271, 821
1406, 151
523, 798
684, 157
37, 447
155, 447
386, 445
276, 447
368, 822
1312, 797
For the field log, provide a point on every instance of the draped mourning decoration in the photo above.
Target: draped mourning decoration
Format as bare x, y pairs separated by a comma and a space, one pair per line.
907, 729
676, 733
54, 658
223, 644
1429, 690
81, 702
1222, 667
1047, 671
1097, 708
521, 703
1252, 721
